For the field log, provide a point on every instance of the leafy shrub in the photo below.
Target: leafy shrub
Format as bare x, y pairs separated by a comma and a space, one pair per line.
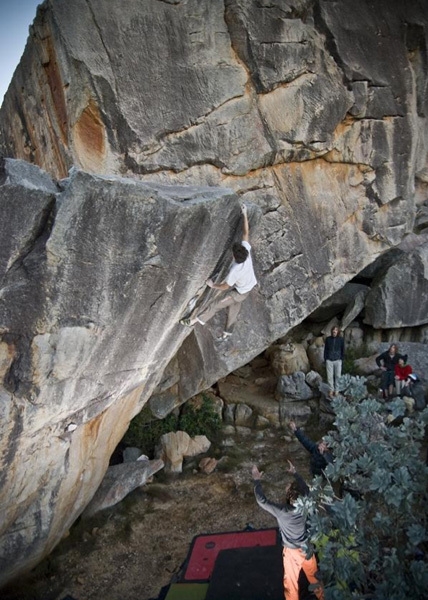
201, 419
372, 540
144, 432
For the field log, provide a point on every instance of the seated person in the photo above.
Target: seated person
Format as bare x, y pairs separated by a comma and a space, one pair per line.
387, 361
402, 371
413, 390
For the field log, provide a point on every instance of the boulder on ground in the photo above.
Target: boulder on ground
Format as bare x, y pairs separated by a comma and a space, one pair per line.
243, 415
399, 298
315, 354
286, 359
175, 445
313, 379
207, 465
119, 481
293, 387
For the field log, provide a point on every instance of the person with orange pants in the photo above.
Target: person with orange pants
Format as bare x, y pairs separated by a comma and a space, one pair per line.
292, 526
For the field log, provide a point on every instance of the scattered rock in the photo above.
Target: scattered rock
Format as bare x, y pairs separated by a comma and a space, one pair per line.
198, 445
119, 481
366, 365
175, 445
261, 422
130, 454
229, 430
288, 358
207, 465
243, 415
293, 387
316, 355
313, 379
243, 431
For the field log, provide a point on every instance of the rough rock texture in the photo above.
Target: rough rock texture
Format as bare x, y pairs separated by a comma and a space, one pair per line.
399, 298
119, 481
293, 387
175, 445
313, 112
92, 288
285, 359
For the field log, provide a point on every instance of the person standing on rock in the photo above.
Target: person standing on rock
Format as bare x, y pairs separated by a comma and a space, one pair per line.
334, 352
319, 451
292, 526
387, 361
239, 282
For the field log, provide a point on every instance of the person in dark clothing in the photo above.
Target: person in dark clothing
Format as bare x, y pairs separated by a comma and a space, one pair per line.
334, 352
387, 361
292, 527
320, 454
414, 389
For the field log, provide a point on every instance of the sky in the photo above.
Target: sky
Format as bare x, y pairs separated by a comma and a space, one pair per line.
15, 18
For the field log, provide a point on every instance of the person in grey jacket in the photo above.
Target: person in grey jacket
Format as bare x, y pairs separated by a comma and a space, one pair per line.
292, 527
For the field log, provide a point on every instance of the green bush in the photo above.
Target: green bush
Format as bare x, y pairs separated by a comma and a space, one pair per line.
372, 539
201, 419
144, 432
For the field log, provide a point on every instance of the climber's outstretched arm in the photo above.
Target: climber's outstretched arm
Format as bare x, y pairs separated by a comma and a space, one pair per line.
246, 227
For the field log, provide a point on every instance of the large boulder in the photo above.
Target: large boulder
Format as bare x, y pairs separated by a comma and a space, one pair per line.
399, 298
92, 289
288, 358
342, 301
293, 387
119, 481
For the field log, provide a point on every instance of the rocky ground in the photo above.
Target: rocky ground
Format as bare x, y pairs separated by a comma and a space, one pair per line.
131, 551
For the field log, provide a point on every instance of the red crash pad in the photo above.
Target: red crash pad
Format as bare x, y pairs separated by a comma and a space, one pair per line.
205, 548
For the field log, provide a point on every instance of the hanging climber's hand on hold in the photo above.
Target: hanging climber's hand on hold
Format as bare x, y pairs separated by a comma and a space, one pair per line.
243, 209
210, 283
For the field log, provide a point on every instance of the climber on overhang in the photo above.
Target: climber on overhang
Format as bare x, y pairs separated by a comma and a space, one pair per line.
240, 281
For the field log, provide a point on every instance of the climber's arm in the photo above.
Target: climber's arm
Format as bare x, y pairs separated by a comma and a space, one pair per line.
218, 286
246, 227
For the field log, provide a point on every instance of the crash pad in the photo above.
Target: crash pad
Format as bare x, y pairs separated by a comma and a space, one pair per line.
205, 548
187, 591
248, 574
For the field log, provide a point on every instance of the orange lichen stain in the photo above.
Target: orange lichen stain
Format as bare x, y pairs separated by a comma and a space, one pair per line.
90, 138
92, 427
7, 354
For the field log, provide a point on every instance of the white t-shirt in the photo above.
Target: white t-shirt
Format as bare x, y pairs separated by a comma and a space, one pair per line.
241, 275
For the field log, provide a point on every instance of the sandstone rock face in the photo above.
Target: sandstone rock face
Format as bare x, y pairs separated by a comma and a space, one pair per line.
312, 112
400, 297
81, 271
